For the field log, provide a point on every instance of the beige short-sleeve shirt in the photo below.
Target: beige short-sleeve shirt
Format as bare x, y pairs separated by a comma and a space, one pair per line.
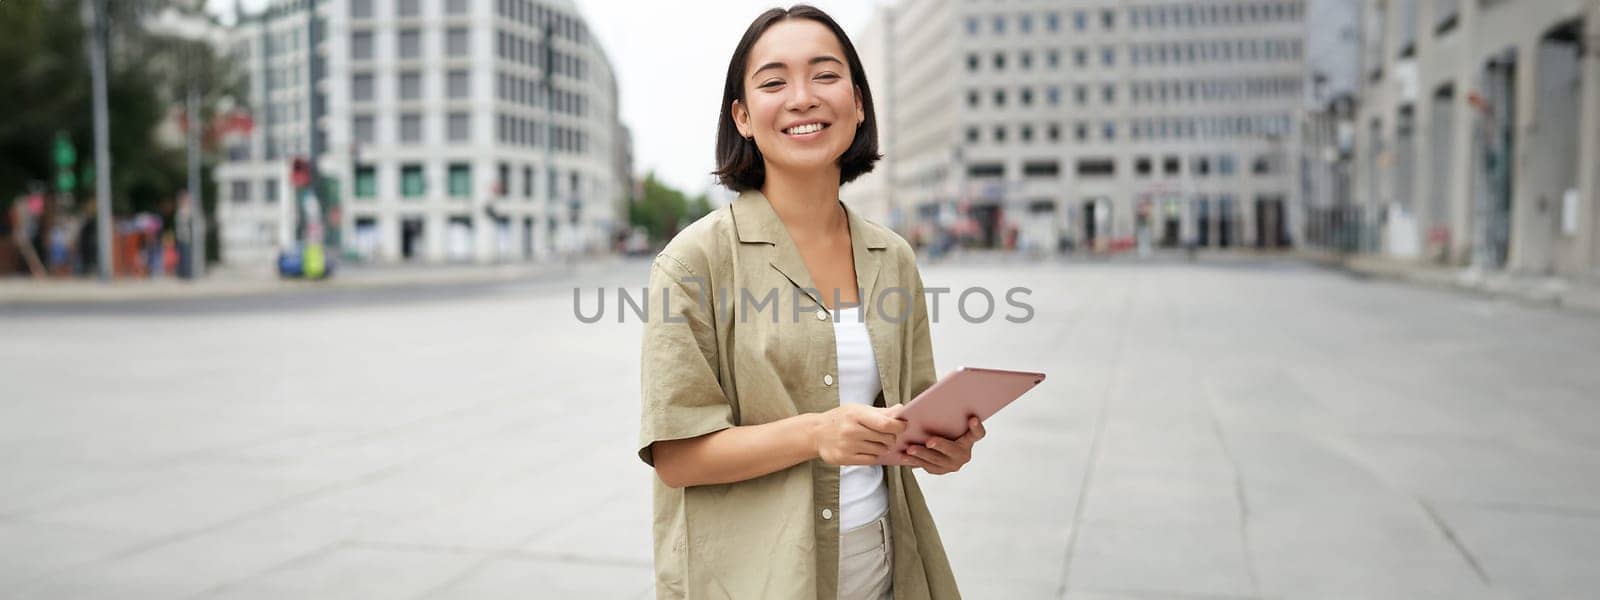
735, 334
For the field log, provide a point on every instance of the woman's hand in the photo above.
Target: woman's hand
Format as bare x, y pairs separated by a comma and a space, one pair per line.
939, 455
855, 434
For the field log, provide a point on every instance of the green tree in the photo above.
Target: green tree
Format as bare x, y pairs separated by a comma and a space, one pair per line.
662, 210
43, 54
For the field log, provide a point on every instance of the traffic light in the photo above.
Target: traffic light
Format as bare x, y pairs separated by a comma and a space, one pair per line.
66, 156
300, 172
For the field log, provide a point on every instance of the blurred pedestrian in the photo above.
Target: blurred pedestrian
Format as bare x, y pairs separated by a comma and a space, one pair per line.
25, 213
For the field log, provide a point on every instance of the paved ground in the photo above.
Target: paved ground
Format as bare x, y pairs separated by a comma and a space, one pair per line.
1240, 430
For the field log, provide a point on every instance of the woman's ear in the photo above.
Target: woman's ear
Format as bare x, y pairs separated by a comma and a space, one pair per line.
741, 118
861, 114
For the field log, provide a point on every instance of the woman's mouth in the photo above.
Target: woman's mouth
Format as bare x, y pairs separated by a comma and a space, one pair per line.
805, 130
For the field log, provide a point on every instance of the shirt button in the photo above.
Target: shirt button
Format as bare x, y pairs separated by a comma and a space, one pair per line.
827, 380
822, 315
827, 513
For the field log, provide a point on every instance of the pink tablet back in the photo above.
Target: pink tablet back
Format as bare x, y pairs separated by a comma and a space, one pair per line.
943, 408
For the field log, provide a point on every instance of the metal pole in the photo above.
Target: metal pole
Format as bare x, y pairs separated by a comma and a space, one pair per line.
549, 132
197, 211
102, 137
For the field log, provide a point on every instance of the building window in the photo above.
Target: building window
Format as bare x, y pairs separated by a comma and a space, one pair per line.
360, 9
527, 182
999, 98
458, 127
972, 98
456, 42
411, 85
1026, 58
1025, 23
1108, 93
1080, 57
1141, 166
999, 24
411, 128
1080, 20
1170, 165
1108, 130
1052, 22
460, 183
1041, 168
366, 181
272, 192
1052, 58
1027, 96
1200, 166
361, 87
999, 134
361, 45
972, 135
1225, 164
1053, 132
981, 170
410, 43
1108, 56
458, 83
1027, 133
1080, 94
408, 8
363, 129
411, 181
972, 26
1052, 95
240, 191
972, 62
1080, 131
999, 61
1108, 19
456, 7
1096, 167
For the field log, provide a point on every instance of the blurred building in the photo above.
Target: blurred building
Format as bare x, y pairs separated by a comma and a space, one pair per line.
432, 121
1090, 122
1478, 139
1328, 215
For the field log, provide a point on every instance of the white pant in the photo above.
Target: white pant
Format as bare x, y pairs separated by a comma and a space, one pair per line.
866, 557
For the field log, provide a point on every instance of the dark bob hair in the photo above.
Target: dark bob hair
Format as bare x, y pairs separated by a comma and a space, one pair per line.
740, 166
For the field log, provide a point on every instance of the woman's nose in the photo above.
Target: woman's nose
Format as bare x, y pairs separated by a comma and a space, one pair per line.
801, 97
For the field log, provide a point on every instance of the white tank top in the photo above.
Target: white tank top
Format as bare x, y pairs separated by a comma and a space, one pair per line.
863, 497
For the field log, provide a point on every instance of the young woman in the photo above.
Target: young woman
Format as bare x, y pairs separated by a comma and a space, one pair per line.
783, 333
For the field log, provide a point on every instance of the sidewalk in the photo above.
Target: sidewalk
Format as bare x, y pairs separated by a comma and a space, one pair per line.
228, 282
1563, 292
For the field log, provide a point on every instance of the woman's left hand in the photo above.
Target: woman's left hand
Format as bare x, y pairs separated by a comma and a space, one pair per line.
939, 455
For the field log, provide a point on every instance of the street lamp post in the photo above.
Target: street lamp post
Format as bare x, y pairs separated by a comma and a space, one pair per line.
102, 135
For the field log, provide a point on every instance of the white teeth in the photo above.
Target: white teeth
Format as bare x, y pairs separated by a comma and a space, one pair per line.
804, 129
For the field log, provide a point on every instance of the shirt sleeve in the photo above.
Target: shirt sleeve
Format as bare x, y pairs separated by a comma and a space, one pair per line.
920, 345
680, 393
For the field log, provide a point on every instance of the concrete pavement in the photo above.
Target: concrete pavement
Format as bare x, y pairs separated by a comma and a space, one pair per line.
1248, 429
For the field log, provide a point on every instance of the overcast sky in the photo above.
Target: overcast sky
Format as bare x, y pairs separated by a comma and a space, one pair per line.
670, 58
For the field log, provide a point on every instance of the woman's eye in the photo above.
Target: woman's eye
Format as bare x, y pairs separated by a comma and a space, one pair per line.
827, 77
771, 84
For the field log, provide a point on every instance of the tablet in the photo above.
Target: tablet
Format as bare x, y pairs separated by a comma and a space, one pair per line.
942, 409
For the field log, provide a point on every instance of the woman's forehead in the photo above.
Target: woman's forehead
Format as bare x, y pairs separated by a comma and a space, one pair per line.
793, 42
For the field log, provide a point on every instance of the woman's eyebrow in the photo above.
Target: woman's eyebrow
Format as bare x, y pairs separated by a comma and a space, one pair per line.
814, 60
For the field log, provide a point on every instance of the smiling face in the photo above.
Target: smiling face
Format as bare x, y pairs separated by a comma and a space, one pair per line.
801, 106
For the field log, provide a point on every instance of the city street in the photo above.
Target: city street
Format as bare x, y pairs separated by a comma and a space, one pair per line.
1233, 428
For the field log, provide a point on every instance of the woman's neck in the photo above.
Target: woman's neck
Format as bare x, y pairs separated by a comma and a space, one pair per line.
808, 204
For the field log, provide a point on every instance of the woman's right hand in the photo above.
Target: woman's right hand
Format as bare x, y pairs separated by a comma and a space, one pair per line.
854, 434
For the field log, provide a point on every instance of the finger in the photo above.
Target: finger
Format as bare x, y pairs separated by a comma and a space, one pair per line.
975, 430
920, 463
894, 411
932, 457
881, 421
954, 452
